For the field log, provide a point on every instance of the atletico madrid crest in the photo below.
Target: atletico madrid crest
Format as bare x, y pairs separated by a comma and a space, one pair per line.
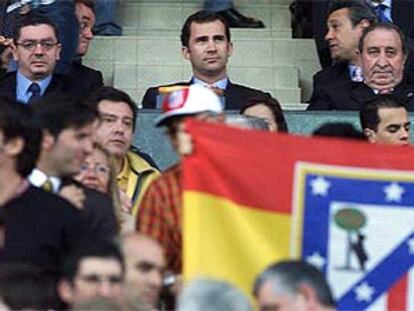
357, 226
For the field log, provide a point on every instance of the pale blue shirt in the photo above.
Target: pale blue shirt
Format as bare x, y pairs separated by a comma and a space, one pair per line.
220, 84
23, 84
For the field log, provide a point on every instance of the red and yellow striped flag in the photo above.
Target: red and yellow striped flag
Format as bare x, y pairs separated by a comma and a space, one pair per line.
238, 187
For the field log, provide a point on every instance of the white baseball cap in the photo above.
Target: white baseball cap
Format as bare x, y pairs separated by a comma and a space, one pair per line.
188, 100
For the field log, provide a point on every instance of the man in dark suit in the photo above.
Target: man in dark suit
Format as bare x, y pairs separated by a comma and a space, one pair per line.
67, 139
84, 80
383, 54
206, 43
36, 50
346, 21
40, 226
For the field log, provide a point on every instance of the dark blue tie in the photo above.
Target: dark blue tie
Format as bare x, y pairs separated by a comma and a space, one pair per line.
380, 9
34, 88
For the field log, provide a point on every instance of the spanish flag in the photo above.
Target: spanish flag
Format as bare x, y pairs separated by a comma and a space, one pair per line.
246, 195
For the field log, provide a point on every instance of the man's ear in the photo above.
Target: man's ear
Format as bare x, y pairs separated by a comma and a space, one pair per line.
370, 135
65, 291
364, 23
14, 146
185, 51
48, 140
308, 296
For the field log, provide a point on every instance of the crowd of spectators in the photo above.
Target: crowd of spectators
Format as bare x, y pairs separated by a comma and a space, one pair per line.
88, 221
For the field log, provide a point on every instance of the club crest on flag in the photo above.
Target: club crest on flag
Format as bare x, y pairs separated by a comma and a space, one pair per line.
356, 225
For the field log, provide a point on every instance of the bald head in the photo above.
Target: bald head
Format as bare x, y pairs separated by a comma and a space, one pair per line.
145, 262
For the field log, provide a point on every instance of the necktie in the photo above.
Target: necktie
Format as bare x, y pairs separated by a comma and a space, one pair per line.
47, 185
34, 88
357, 75
380, 10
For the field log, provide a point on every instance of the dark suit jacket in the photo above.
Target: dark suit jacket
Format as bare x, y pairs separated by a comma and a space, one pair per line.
41, 228
8, 85
98, 211
236, 96
83, 80
348, 95
337, 72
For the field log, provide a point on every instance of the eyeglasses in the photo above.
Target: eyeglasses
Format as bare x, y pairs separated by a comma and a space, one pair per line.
98, 168
31, 45
98, 279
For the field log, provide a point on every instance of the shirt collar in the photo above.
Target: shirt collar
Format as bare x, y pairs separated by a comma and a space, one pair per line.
221, 84
37, 178
23, 84
387, 3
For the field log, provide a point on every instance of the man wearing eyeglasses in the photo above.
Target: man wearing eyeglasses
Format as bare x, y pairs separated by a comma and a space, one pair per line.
36, 49
94, 270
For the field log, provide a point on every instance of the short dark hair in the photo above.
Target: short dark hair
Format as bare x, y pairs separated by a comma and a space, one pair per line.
16, 122
339, 129
99, 248
274, 106
358, 10
290, 274
23, 286
88, 3
114, 95
57, 113
368, 114
202, 17
384, 26
33, 19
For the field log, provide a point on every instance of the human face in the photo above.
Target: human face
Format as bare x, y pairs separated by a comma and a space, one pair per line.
115, 131
145, 264
208, 50
382, 59
95, 171
86, 19
263, 112
37, 63
394, 127
268, 299
70, 149
96, 277
343, 37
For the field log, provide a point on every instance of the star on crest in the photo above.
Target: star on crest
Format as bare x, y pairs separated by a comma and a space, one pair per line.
393, 192
364, 292
316, 260
320, 186
410, 244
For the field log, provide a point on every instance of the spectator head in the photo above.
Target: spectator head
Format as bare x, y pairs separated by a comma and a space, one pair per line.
145, 263
85, 13
36, 46
97, 171
268, 109
205, 39
118, 114
384, 119
26, 287
212, 295
67, 125
19, 138
346, 21
95, 269
292, 285
193, 101
383, 53
339, 130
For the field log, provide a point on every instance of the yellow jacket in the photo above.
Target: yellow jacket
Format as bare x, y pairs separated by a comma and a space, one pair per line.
135, 176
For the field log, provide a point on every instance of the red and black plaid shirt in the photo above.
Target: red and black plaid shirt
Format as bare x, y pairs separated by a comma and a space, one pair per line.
160, 215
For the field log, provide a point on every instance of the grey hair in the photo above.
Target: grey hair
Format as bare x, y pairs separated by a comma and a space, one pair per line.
247, 122
212, 295
288, 276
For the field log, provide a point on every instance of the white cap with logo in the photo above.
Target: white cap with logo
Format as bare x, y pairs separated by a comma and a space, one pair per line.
188, 100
